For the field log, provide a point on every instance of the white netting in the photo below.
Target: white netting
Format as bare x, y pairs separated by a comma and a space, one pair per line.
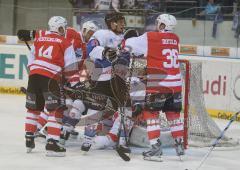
202, 130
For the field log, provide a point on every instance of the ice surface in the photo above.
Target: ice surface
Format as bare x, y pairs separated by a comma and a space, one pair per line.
13, 154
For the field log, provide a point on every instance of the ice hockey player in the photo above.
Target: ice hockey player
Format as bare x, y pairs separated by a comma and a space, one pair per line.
76, 106
51, 53
102, 50
78, 40
164, 84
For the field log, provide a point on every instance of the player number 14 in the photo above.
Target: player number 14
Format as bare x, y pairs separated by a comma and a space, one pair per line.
47, 53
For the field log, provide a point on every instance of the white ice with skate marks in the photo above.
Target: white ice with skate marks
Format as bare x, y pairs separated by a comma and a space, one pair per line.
13, 154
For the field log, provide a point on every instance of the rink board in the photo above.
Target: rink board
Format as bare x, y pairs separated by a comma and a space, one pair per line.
221, 78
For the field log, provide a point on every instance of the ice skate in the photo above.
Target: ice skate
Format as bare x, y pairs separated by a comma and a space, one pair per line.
179, 148
155, 153
87, 143
74, 134
89, 133
54, 149
30, 144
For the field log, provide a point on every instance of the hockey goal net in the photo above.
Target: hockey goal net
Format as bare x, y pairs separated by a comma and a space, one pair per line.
199, 128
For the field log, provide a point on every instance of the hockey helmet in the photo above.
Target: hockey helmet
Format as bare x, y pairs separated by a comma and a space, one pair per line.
89, 26
57, 22
168, 20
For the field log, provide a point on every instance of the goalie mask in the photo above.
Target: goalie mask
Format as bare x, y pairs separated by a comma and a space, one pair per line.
57, 24
168, 20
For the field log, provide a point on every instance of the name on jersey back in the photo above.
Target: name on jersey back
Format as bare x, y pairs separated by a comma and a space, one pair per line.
169, 41
49, 39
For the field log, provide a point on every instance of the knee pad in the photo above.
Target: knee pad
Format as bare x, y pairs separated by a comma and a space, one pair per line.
69, 103
77, 109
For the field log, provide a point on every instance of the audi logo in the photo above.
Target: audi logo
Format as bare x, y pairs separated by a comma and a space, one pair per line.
236, 88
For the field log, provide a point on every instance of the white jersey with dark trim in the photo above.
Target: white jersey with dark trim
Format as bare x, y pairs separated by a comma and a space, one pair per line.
95, 47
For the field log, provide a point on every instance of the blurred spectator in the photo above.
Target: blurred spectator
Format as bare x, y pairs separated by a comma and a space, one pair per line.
102, 4
149, 4
125, 4
152, 5
201, 3
88, 4
116, 4
227, 6
236, 6
129, 4
211, 9
107, 5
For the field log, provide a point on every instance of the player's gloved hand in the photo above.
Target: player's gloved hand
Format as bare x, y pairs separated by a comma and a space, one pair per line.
124, 58
136, 109
130, 33
110, 54
26, 35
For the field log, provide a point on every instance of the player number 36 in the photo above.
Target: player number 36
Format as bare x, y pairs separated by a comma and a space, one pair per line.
172, 56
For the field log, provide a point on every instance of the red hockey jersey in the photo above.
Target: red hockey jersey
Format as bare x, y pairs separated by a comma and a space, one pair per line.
161, 52
50, 54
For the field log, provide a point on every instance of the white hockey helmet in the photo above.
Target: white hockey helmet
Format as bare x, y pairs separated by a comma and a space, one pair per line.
168, 20
89, 26
56, 22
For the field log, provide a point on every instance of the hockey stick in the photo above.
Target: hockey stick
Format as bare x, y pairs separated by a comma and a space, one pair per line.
28, 46
23, 90
234, 117
90, 97
122, 150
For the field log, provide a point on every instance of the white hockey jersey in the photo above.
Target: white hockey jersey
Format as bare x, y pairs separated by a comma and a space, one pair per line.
99, 40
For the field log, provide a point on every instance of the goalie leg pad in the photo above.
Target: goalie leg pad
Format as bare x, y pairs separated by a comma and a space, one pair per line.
77, 109
69, 103
74, 115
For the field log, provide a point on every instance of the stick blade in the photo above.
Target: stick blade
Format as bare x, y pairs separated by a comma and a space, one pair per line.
123, 153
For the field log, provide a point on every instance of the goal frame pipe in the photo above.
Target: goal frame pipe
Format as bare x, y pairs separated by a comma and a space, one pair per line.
186, 101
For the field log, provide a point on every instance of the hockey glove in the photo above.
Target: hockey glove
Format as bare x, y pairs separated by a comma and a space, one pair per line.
26, 35
110, 54
130, 33
136, 109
